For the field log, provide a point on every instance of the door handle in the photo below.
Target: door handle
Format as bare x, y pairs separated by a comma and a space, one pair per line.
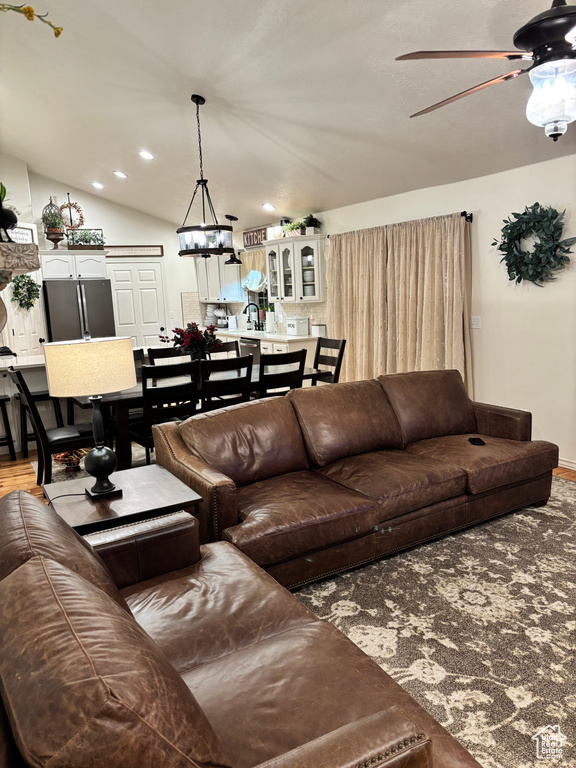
85, 308
80, 312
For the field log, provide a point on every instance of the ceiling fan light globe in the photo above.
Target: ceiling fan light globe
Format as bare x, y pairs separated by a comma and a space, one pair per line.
553, 100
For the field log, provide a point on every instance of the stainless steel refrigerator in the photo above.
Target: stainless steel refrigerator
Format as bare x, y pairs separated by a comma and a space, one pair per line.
75, 306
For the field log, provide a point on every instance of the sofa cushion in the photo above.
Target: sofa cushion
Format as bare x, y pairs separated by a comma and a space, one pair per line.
429, 404
498, 462
80, 677
29, 528
297, 513
398, 481
340, 420
180, 610
248, 442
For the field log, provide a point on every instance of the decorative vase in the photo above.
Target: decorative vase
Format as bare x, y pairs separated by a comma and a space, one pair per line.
55, 236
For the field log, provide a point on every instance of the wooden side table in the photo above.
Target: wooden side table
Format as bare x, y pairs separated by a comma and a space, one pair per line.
149, 491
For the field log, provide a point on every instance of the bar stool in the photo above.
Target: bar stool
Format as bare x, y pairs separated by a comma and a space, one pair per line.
25, 435
7, 439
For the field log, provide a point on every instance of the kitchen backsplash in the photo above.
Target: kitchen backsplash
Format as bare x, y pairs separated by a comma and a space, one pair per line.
194, 311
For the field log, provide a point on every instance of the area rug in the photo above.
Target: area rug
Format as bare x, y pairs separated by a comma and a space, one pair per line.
61, 473
479, 628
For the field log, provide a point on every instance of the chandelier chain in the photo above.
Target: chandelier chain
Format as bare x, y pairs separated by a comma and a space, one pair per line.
199, 140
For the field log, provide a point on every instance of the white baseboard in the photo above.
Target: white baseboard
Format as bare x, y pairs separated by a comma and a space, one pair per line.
567, 463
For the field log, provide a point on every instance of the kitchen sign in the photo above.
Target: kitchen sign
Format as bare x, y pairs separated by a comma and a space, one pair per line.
254, 237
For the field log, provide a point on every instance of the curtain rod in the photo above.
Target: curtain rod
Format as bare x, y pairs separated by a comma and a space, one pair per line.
468, 216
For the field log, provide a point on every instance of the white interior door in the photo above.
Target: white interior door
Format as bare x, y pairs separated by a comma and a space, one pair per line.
138, 294
24, 327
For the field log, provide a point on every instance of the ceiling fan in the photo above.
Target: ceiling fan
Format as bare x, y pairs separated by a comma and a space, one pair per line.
549, 42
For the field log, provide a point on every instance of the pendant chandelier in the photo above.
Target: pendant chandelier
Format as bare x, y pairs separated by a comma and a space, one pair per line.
204, 239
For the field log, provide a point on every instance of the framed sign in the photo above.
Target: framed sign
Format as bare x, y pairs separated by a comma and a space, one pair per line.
254, 237
23, 234
134, 250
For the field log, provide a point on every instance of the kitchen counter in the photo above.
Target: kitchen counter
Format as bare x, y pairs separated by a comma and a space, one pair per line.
264, 335
22, 361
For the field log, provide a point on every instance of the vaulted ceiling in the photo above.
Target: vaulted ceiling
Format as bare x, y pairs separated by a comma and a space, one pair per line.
305, 105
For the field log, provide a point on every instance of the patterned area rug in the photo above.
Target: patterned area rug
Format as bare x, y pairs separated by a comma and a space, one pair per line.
479, 628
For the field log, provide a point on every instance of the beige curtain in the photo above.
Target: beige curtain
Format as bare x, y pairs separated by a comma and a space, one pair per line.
356, 280
400, 295
254, 259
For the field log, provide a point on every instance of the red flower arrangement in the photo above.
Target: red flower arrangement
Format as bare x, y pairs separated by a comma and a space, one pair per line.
194, 341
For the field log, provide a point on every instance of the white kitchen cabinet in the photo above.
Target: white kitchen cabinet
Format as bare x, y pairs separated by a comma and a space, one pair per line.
230, 287
280, 349
296, 269
24, 327
63, 265
217, 281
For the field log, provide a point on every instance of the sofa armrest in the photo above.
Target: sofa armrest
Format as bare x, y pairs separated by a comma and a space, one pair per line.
388, 739
218, 509
140, 551
497, 421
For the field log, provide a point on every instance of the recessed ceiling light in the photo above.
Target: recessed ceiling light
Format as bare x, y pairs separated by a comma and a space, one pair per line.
97, 185
120, 174
146, 155
268, 207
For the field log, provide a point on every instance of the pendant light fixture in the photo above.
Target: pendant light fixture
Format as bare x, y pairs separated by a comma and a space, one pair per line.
204, 239
233, 258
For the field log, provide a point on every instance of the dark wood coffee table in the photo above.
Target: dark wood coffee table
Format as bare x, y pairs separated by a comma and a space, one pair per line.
149, 491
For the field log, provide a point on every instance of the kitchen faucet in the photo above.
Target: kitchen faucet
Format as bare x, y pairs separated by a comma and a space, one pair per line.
257, 323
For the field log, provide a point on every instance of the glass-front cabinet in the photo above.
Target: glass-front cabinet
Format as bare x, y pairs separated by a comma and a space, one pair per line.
295, 269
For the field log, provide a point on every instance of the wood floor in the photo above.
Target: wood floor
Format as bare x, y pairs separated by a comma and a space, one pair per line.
19, 475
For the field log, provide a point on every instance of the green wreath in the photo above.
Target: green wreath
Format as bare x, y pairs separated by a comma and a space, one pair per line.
550, 252
25, 291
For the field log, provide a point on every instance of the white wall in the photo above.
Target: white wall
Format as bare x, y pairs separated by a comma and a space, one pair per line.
123, 226
524, 356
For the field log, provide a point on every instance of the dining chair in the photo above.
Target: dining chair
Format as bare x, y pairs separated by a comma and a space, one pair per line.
159, 353
290, 377
333, 361
222, 391
139, 361
227, 346
169, 393
50, 441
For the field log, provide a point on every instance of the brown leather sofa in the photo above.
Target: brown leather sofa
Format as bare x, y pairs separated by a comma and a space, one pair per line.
178, 655
331, 477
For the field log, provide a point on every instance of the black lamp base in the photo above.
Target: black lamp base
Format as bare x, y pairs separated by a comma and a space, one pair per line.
115, 492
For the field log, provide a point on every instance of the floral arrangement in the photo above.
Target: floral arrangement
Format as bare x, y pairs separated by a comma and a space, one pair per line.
193, 340
31, 14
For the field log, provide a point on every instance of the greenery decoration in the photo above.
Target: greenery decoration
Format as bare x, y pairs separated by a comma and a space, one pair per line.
550, 252
293, 226
25, 291
52, 220
31, 14
85, 237
311, 221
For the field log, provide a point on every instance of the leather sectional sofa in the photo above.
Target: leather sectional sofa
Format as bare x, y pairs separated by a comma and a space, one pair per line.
335, 476
179, 656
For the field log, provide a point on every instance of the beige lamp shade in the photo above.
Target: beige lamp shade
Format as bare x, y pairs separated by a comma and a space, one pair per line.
93, 367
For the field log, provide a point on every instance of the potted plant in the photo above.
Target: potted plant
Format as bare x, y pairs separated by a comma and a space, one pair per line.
85, 239
312, 224
52, 221
294, 228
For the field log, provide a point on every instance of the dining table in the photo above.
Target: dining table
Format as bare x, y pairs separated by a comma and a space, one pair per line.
132, 399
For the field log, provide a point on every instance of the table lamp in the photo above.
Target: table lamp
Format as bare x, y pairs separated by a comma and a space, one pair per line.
81, 368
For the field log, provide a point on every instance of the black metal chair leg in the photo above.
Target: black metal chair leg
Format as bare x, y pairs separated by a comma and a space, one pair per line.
70, 411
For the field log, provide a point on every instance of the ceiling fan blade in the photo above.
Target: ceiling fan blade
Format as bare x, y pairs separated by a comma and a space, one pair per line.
501, 79
510, 55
